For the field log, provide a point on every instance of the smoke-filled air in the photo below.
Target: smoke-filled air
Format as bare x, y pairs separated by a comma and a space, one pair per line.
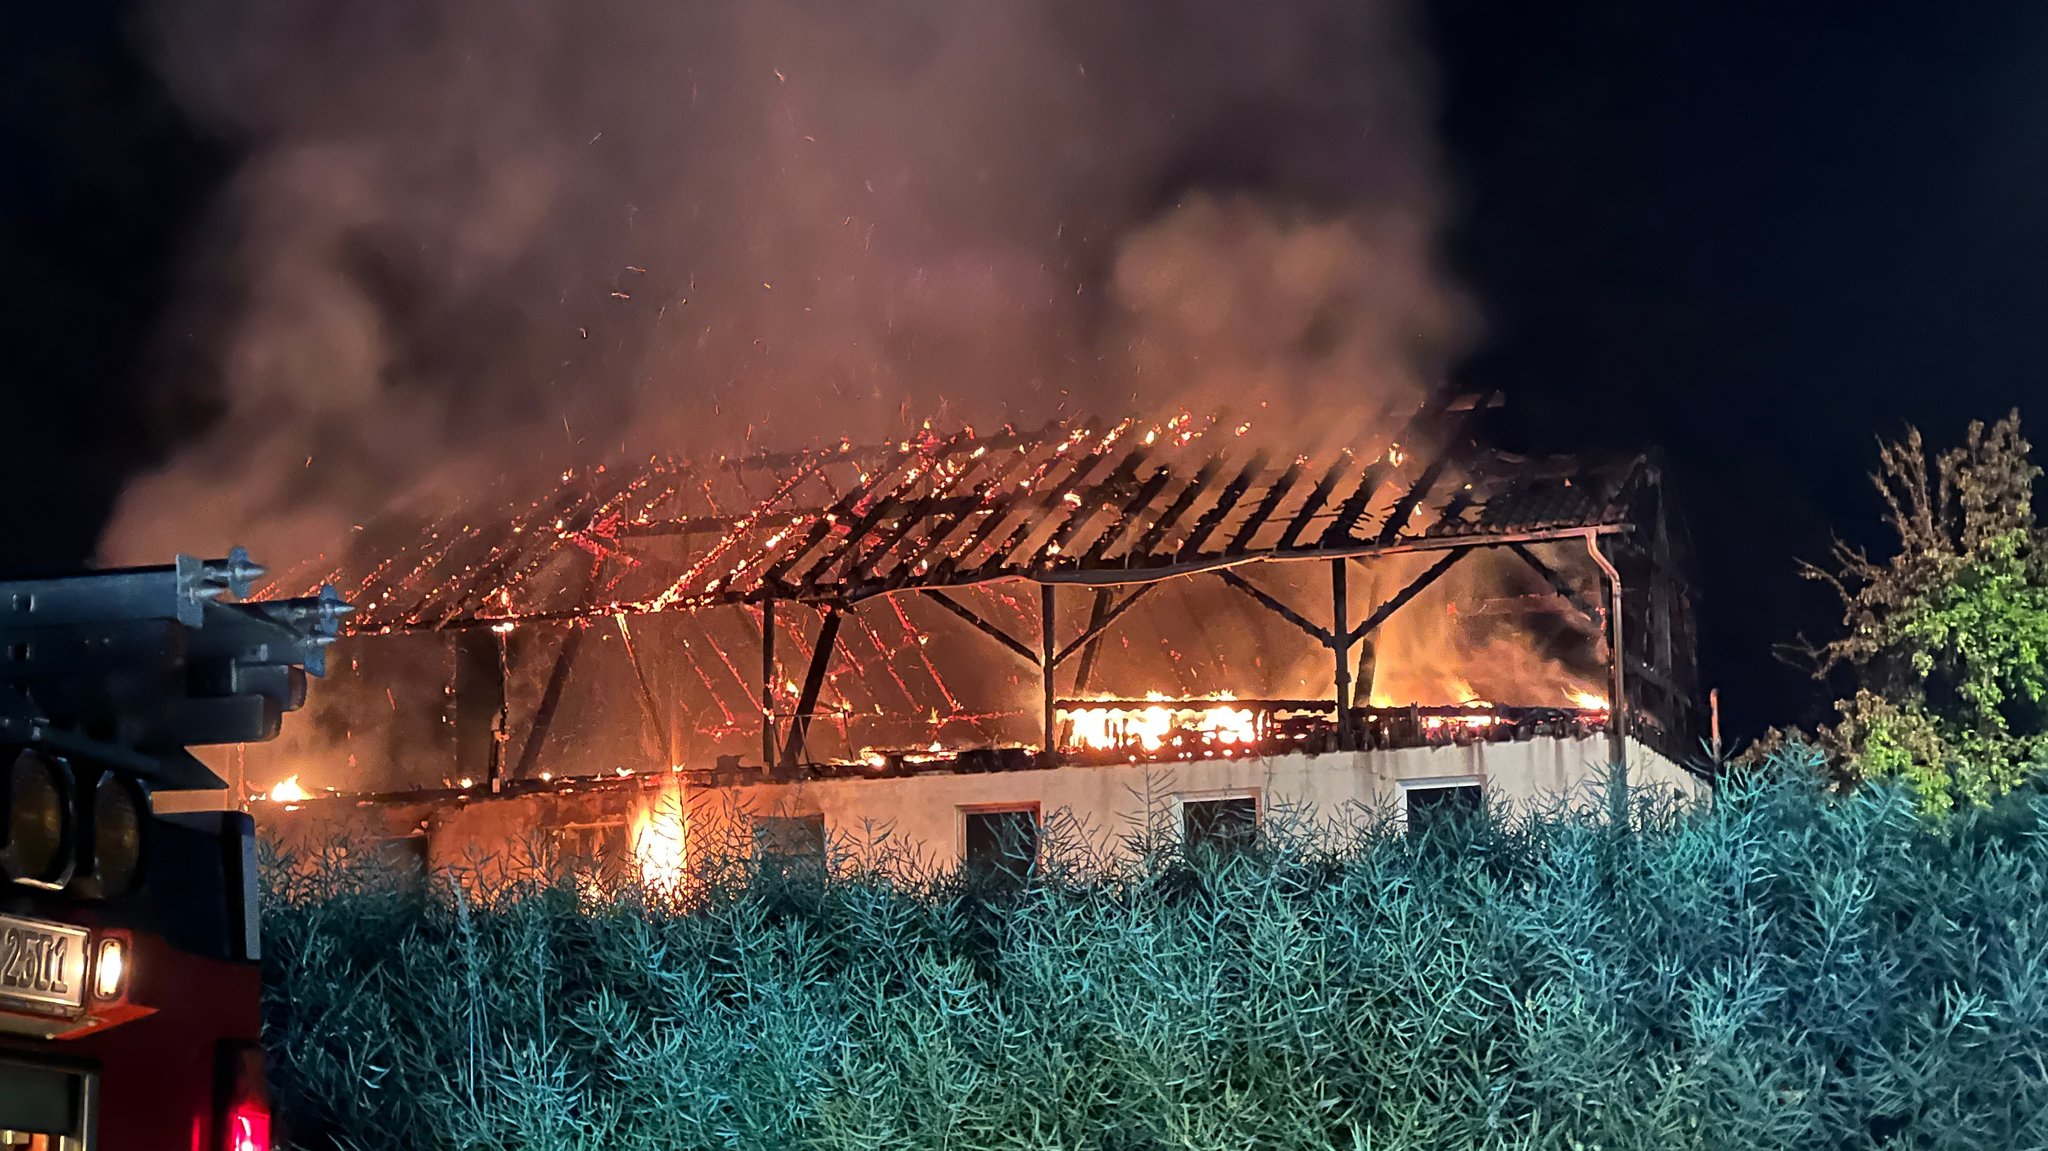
474, 242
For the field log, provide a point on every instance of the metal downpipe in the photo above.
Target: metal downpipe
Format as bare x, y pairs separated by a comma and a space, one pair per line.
1617, 686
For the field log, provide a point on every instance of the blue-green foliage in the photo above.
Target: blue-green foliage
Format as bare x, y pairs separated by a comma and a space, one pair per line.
1785, 969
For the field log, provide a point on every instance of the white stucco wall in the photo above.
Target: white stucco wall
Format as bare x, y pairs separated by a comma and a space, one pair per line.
922, 815
926, 811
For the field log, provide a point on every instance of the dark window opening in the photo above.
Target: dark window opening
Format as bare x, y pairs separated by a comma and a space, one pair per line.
1002, 844
1427, 805
1219, 825
405, 855
785, 842
596, 848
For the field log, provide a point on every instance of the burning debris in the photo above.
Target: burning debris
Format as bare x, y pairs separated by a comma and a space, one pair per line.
1159, 728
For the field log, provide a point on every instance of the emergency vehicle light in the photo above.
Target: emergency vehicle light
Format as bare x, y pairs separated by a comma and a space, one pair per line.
245, 1122
248, 1127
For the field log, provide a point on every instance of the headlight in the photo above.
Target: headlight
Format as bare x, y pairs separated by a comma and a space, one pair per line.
120, 811
37, 827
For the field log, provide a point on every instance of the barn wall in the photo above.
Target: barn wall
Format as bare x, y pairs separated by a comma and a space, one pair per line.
921, 815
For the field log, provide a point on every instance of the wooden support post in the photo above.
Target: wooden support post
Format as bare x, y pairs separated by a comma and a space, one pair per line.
501, 727
1368, 665
1048, 653
814, 682
648, 707
1098, 616
550, 699
767, 683
479, 702
558, 681
1340, 645
1098, 613
1368, 658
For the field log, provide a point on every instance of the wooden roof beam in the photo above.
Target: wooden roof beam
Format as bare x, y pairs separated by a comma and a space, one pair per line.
1275, 495
1321, 635
1021, 649
1189, 493
1214, 517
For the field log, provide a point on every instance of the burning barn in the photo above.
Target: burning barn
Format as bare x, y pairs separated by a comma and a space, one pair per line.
960, 628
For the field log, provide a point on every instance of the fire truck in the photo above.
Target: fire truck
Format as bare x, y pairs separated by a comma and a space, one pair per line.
130, 993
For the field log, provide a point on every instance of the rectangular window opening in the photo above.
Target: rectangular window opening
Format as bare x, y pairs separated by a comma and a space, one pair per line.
1426, 804
1227, 824
593, 848
404, 855
787, 841
1001, 843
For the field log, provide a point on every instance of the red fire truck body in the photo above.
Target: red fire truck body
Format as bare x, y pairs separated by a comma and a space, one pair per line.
130, 986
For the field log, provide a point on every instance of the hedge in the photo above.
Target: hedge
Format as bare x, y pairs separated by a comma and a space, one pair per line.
1782, 968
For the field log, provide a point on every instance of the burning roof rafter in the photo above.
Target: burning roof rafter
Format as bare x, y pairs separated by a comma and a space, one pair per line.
1077, 501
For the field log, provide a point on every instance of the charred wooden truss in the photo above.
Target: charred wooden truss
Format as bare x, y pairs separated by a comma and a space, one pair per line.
1113, 507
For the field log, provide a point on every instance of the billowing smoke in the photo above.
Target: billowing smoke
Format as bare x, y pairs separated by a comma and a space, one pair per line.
1230, 303
483, 240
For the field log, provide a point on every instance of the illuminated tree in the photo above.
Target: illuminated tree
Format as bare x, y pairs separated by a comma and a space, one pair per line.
1947, 640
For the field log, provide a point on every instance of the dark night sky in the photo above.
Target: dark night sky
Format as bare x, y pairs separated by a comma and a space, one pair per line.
1756, 236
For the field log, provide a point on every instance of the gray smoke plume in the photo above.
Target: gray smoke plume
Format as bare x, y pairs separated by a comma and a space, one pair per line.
484, 240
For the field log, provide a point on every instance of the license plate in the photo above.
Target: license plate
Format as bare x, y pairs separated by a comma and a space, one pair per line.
42, 965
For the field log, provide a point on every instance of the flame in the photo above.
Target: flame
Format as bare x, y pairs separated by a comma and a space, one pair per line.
1587, 701
657, 833
1472, 722
1229, 725
289, 791
1107, 728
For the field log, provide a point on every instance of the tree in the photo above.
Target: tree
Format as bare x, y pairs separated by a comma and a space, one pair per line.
1946, 641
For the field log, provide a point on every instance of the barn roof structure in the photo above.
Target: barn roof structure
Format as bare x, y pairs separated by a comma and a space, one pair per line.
1116, 506
1076, 502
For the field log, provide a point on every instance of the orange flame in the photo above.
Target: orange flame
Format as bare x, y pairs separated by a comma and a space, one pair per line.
1107, 728
658, 833
289, 791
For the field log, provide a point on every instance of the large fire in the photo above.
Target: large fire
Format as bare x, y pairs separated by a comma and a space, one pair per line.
1151, 727
658, 836
729, 574
1159, 727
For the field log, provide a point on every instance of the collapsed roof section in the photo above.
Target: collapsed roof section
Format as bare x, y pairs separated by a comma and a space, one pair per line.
1078, 501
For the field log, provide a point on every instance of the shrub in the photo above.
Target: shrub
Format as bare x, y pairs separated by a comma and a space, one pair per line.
1946, 639
1785, 968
